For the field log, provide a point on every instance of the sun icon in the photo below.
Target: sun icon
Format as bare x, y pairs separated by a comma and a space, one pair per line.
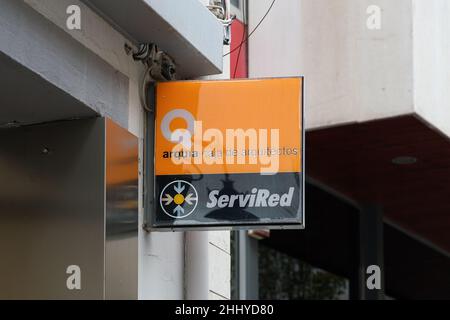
178, 199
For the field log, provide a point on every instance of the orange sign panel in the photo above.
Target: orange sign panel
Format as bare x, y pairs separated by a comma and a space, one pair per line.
224, 136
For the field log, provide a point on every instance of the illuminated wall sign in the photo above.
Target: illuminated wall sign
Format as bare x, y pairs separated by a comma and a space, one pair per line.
229, 154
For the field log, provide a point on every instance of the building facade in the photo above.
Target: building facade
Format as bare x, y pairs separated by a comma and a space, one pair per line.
66, 64
76, 153
377, 135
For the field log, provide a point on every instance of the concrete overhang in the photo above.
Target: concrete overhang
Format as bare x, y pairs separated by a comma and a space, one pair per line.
186, 30
27, 98
47, 75
400, 164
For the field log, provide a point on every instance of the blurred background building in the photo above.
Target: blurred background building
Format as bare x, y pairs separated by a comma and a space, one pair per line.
377, 141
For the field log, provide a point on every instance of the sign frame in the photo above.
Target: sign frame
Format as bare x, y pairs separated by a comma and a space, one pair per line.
150, 198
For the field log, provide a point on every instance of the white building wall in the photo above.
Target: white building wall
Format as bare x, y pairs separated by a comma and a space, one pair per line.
432, 62
161, 255
351, 73
220, 265
219, 254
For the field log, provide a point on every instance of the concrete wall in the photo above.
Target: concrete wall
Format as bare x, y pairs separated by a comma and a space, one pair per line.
91, 64
432, 62
219, 265
40, 46
352, 73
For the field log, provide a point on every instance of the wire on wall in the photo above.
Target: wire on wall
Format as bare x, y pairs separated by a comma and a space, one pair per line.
244, 18
159, 66
253, 31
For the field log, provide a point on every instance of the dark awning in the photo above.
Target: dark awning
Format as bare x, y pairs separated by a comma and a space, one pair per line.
413, 268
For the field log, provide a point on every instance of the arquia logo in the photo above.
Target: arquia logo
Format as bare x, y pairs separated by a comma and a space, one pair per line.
196, 145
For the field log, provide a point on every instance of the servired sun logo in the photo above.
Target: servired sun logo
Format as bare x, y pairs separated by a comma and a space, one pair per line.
178, 199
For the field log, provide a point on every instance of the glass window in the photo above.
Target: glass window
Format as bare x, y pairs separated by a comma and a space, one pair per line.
236, 3
238, 8
282, 277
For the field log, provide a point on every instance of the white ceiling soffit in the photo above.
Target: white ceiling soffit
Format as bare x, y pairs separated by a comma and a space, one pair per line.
185, 29
28, 99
